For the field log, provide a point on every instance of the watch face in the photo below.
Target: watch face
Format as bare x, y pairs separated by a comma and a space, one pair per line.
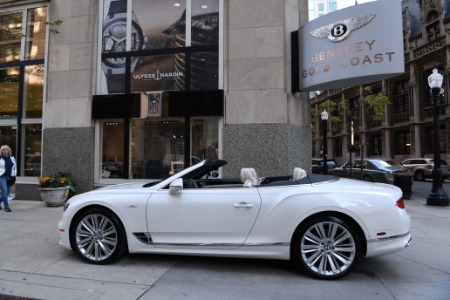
114, 40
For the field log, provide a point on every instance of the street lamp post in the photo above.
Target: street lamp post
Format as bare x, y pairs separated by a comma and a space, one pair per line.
437, 197
324, 117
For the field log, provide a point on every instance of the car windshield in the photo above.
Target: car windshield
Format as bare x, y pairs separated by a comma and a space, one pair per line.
443, 162
385, 164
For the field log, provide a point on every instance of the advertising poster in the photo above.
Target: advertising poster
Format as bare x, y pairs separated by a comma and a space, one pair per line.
157, 25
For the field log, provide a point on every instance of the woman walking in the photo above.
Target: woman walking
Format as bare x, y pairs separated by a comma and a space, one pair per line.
7, 169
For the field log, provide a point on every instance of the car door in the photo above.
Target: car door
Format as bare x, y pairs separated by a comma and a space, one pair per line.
202, 217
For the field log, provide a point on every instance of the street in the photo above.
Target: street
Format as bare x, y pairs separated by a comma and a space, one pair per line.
421, 189
34, 265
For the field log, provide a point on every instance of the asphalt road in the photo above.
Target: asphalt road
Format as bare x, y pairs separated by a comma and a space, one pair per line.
421, 189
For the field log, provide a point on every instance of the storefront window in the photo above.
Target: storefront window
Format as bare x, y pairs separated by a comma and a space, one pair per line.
205, 139
112, 165
161, 58
8, 137
157, 148
9, 86
11, 35
33, 91
32, 134
35, 34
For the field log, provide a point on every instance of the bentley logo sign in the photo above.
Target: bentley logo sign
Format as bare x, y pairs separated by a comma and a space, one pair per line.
341, 30
349, 47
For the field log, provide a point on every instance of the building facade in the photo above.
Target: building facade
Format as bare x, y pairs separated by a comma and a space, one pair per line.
405, 128
115, 90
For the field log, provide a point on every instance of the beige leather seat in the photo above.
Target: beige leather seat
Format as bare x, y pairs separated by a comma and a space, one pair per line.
249, 177
299, 173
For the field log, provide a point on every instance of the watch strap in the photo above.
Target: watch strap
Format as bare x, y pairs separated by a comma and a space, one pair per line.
117, 7
115, 83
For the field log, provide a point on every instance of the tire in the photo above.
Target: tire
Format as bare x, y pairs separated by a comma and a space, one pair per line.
98, 236
326, 247
419, 176
367, 178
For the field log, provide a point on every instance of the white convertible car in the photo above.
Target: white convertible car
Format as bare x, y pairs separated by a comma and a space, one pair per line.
324, 224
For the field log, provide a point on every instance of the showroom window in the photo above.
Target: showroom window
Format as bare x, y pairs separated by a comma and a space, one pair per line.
150, 48
22, 51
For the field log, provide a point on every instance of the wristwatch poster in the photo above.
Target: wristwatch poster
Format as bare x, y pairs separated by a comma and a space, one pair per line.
114, 40
159, 25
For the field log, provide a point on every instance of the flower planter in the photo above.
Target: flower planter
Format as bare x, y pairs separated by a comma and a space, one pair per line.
54, 196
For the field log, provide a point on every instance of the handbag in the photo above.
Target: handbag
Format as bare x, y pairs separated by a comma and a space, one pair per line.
11, 180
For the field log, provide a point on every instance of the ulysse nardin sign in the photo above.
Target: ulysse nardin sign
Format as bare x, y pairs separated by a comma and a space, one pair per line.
353, 46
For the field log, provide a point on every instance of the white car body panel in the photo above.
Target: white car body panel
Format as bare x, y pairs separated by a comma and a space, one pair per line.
202, 216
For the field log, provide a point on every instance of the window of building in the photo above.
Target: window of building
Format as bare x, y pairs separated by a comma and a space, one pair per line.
158, 46
22, 51
403, 142
337, 147
433, 27
375, 146
402, 97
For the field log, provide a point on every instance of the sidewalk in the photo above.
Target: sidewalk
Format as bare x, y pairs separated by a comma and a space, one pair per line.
33, 265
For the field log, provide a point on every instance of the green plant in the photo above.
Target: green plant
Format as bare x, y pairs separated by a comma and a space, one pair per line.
376, 102
53, 25
58, 179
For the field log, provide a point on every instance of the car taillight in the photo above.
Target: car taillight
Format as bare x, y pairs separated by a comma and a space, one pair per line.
400, 203
430, 166
387, 175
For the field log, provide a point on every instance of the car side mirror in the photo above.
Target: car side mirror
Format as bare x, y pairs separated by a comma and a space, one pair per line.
176, 186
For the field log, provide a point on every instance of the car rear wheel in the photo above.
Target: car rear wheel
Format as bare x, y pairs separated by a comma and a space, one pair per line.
420, 176
98, 236
326, 247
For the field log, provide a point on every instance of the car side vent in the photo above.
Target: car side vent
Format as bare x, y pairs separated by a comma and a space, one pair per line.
143, 237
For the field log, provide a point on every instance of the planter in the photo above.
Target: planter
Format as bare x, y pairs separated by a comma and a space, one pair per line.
54, 196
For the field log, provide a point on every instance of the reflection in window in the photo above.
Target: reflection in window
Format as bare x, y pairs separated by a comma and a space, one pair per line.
205, 139
205, 69
205, 22
11, 35
162, 22
32, 134
8, 137
9, 87
157, 148
112, 149
33, 91
35, 34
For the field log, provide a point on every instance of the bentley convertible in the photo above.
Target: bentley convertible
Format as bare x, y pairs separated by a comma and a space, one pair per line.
323, 224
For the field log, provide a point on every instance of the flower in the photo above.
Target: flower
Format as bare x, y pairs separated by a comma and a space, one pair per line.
59, 179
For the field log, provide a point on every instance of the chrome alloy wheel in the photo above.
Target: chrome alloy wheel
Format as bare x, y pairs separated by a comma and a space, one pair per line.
96, 237
328, 249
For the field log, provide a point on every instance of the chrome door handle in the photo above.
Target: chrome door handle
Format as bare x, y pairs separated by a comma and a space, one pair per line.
243, 205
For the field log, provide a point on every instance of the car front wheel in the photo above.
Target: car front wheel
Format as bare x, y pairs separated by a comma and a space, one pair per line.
326, 247
98, 236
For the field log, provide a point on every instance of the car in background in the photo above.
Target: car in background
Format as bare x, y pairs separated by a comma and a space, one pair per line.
371, 169
422, 168
317, 165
